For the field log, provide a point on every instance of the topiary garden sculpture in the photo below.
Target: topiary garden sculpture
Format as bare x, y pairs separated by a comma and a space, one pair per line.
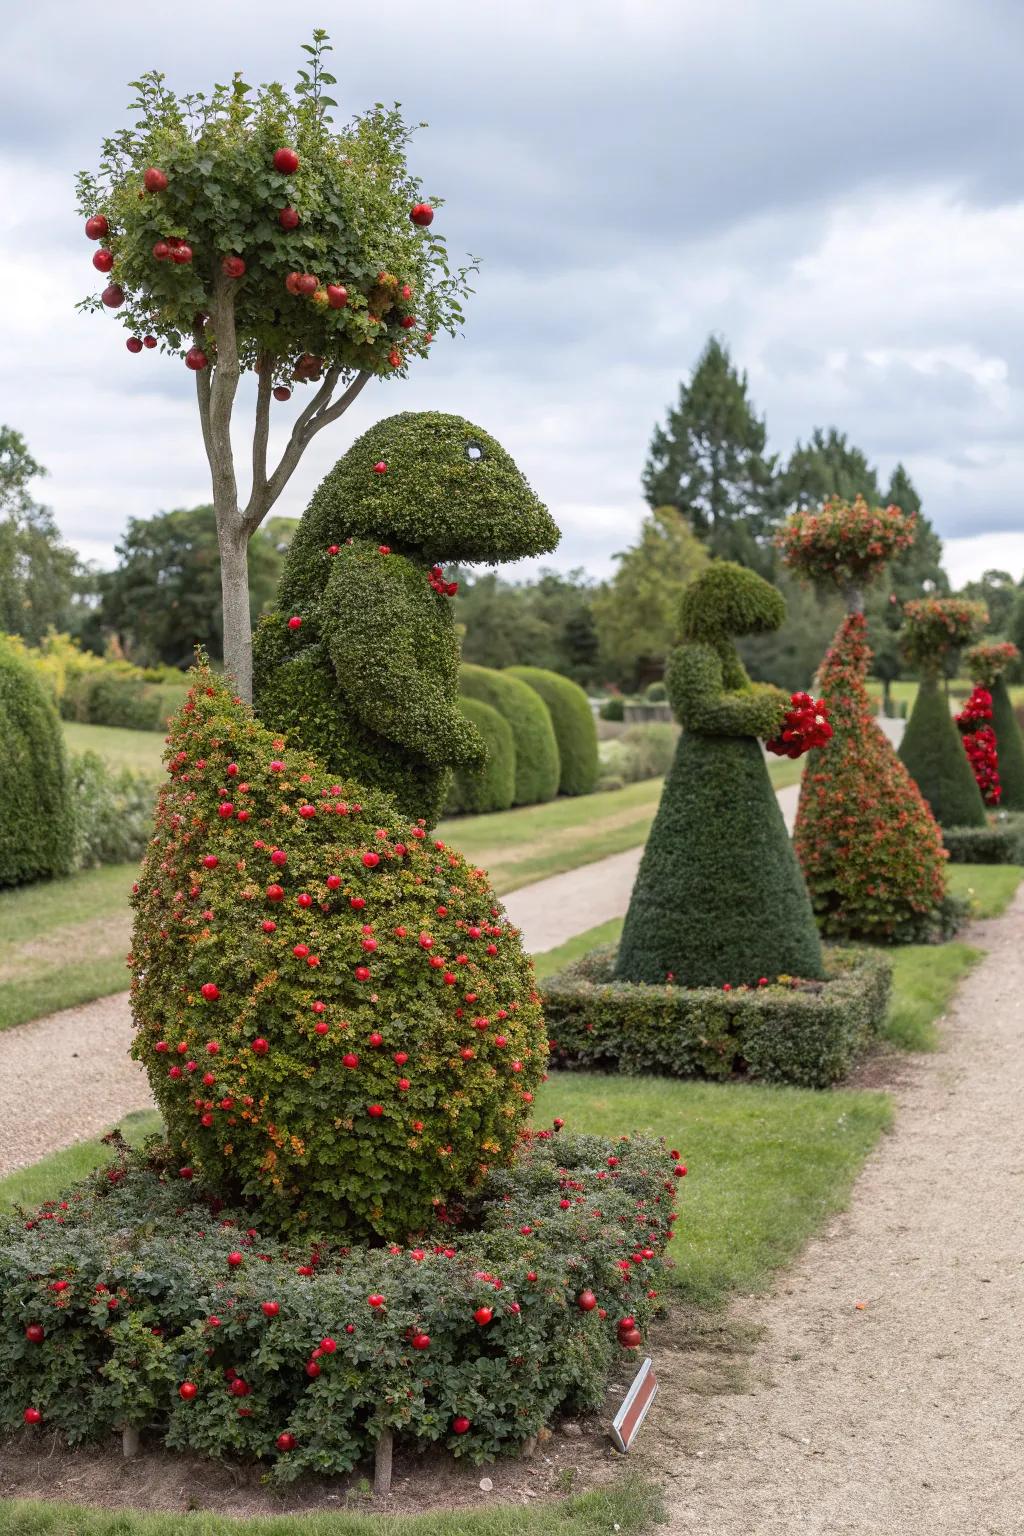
937, 629
360, 661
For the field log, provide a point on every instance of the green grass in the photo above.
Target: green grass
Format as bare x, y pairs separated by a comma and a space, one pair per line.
632, 1507
63, 942
552, 960
42, 1181
119, 748
988, 887
925, 976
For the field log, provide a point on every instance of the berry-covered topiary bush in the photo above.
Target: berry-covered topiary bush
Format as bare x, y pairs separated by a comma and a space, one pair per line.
477, 791
537, 762
869, 847
141, 1301
37, 829
719, 896
337, 1020
360, 661
986, 665
575, 728
935, 629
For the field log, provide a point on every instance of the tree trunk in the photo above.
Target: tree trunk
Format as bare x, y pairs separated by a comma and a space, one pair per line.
853, 596
234, 586
382, 1462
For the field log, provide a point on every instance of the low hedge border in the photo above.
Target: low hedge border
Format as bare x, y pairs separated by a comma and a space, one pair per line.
1000, 842
789, 1031
140, 1301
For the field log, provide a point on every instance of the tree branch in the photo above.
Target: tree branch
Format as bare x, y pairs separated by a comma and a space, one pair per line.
316, 415
340, 406
255, 510
223, 387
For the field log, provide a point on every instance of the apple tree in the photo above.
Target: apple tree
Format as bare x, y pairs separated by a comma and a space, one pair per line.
240, 230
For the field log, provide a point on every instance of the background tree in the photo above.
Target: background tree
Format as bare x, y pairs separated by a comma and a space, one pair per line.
827, 465
635, 613
997, 590
39, 574
708, 461
546, 622
164, 598
240, 230
917, 572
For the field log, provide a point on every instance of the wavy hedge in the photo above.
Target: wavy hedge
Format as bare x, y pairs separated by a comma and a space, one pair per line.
537, 761
490, 788
574, 726
37, 828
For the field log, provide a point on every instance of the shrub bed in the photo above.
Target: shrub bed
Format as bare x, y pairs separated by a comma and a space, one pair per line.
113, 812
140, 1301
787, 1030
1001, 841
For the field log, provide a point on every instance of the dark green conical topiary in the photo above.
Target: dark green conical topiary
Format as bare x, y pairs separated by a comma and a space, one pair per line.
934, 756
1009, 746
719, 898
360, 661
36, 813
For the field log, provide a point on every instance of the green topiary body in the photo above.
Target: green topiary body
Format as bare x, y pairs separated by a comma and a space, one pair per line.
537, 765
719, 898
37, 830
491, 788
369, 679
1010, 747
934, 756
575, 729
324, 926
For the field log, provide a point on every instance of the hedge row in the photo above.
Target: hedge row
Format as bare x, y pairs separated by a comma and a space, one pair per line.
95, 690
493, 787
554, 738
1000, 841
786, 1030
140, 1301
36, 810
574, 727
536, 749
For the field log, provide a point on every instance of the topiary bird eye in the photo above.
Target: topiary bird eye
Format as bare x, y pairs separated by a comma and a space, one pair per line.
474, 452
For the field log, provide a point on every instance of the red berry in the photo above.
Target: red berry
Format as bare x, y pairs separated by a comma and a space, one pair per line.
333, 882
306, 284
210, 991
294, 622
328, 1346
275, 892
96, 227
375, 1111
103, 260
483, 1315
460, 1424
260, 1046
113, 296
380, 468
181, 255
421, 214
234, 1259
288, 218
161, 250
154, 180
408, 321
376, 1039
196, 359
35, 1333
376, 1300
362, 973
586, 1301
350, 1060
421, 1341
270, 1308
233, 266
371, 860
187, 1390
286, 161
32, 1416
286, 1442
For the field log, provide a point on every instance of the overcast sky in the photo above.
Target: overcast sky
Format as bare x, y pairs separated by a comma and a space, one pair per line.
837, 190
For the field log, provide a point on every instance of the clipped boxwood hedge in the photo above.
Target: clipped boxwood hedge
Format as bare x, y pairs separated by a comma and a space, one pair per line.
574, 726
141, 1301
37, 831
537, 765
491, 787
1001, 841
788, 1031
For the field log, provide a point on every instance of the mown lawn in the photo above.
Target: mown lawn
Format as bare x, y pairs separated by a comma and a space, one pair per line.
119, 748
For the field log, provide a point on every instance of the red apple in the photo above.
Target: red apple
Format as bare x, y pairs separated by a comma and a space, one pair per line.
306, 284
286, 161
149, 342
103, 259
288, 218
375, 1111
295, 622
380, 468
337, 296
234, 1259
371, 860
460, 1424
421, 214
161, 250
32, 1416
181, 254
96, 227
35, 1333
113, 297
133, 344
350, 1060
483, 1316
233, 266
260, 1046
154, 180
286, 1442
586, 1301
270, 1308
421, 1341
210, 991
282, 392
196, 359
187, 1390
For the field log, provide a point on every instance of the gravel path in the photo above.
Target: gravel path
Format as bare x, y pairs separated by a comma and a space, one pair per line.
904, 1418
68, 1077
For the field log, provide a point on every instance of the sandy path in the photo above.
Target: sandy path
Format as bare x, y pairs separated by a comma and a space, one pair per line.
905, 1418
68, 1077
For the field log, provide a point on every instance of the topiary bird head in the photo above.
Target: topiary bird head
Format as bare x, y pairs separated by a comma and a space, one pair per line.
434, 486
727, 600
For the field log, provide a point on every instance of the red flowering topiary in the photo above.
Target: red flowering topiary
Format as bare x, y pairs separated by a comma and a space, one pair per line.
845, 543
934, 627
986, 665
337, 1020
870, 848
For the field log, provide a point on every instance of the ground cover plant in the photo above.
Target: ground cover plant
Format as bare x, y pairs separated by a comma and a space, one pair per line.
360, 660
869, 847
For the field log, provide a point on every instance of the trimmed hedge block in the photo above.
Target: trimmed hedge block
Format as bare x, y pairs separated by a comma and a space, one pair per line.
537, 764
491, 787
37, 829
574, 726
803, 1032
1000, 842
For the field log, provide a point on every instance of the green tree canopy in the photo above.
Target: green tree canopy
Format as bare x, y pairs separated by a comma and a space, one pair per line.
708, 461
998, 591
39, 574
827, 465
635, 612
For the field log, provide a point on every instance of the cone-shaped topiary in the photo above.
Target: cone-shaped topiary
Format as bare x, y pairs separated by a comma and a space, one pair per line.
870, 849
574, 726
360, 661
490, 788
36, 813
936, 628
985, 665
537, 765
719, 898
337, 1021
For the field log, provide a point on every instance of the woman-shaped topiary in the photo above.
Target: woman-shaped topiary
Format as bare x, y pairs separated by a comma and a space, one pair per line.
719, 898
360, 662
986, 665
936, 628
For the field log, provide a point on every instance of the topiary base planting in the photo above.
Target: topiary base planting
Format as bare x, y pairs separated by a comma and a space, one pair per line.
1001, 841
783, 1030
140, 1302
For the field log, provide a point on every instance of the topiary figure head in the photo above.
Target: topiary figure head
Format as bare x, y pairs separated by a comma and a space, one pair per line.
337, 1021
986, 663
727, 600
936, 628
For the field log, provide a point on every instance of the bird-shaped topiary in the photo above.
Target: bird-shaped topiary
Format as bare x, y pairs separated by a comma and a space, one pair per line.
337, 1020
360, 661
719, 898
